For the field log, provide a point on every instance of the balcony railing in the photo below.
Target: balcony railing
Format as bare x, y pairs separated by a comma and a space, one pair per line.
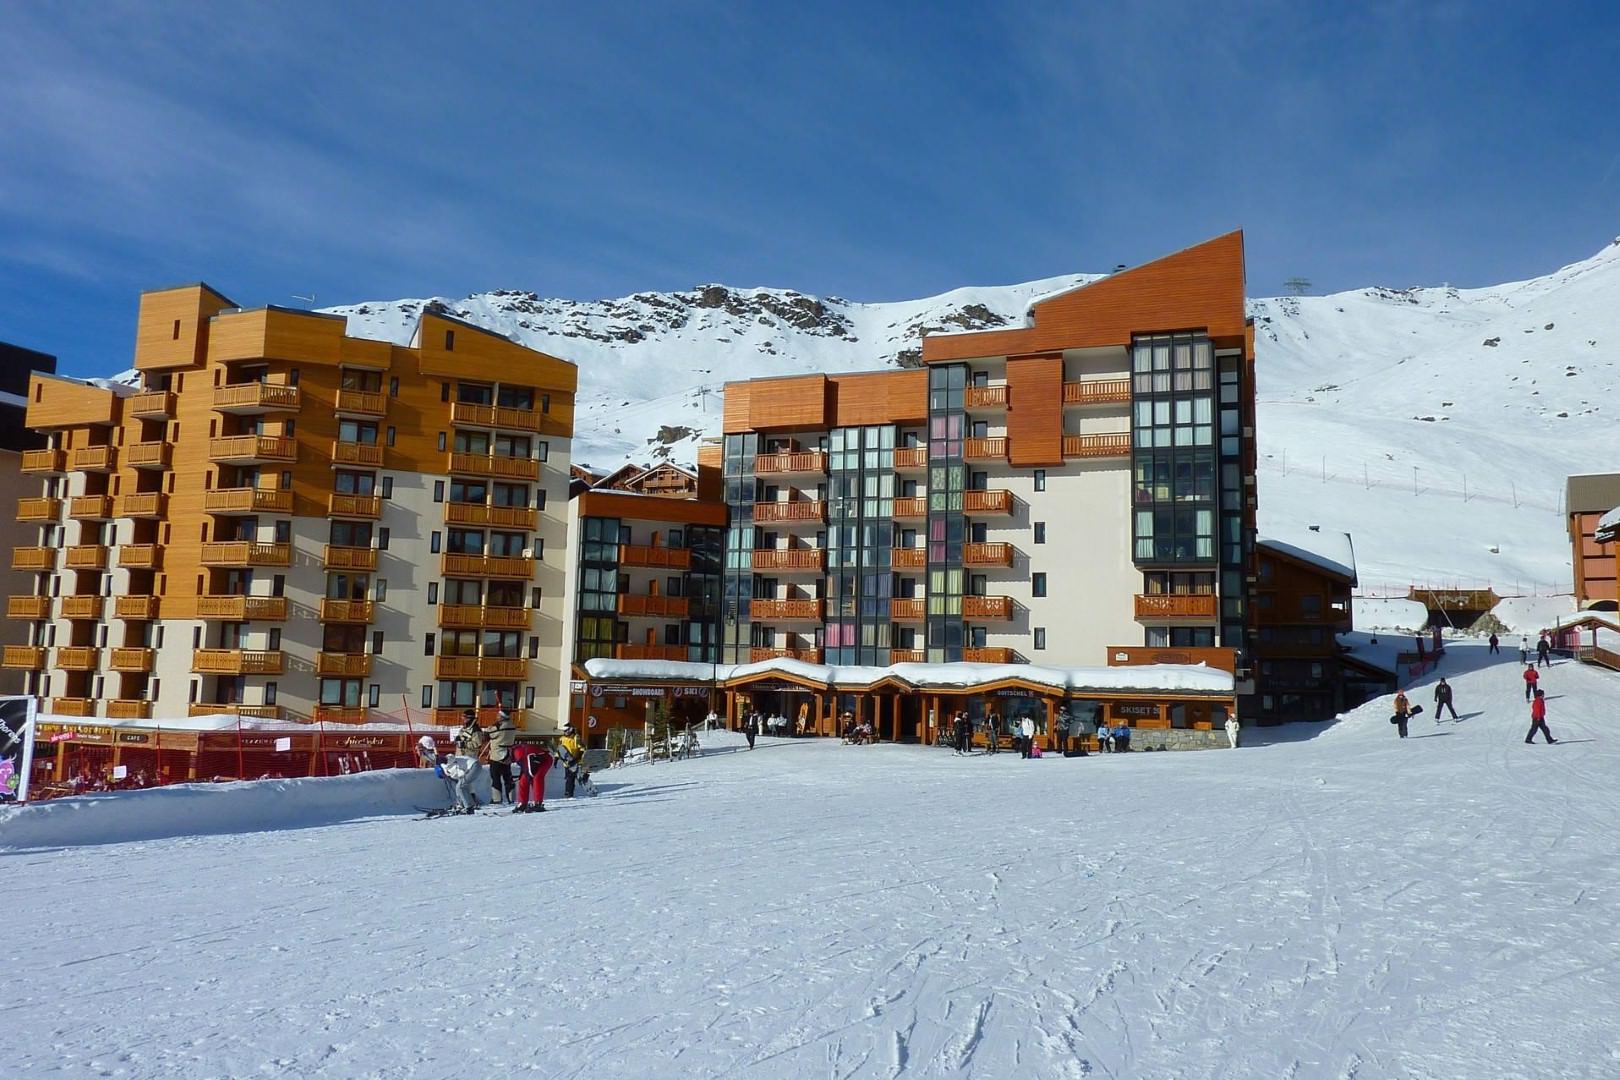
147, 455
808, 461
151, 405
1097, 392
987, 607
247, 500
31, 657
143, 504
476, 617
650, 652
356, 453
236, 662
466, 414
500, 517
807, 559
343, 664
136, 660
998, 654
73, 706
256, 712
985, 397
481, 667
905, 656
657, 607
340, 714
496, 566
129, 709
140, 556
494, 465
81, 607
354, 506
252, 448
246, 553
987, 502
911, 507
255, 397
90, 507
987, 554
906, 610
911, 457
797, 511
78, 658
348, 611
809, 656
1097, 446
39, 509
914, 558
1177, 606
361, 402
663, 558
44, 461
28, 607
991, 449
341, 557
785, 609
94, 458
33, 558
135, 607
452, 717
86, 557
241, 608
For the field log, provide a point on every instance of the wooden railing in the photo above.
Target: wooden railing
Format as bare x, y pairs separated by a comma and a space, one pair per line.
31, 657
905, 656
152, 404
650, 652
987, 502
140, 556
44, 461
806, 461
129, 709
81, 607
247, 500
342, 557
78, 658
985, 397
796, 511
789, 559
998, 654
987, 554
236, 662
475, 617
137, 660
361, 506
986, 607
343, 664
94, 458
454, 715
135, 607
253, 448
500, 566
255, 395
915, 558
500, 517
340, 714
656, 607
73, 706
1597, 654
1176, 606
91, 507
481, 667
1097, 446
991, 449
33, 558
39, 509
240, 608
86, 557
664, 558
911, 457
494, 465
906, 610
810, 656
911, 507
28, 607
142, 504
493, 416
356, 453
147, 455
256, 712
354, 611
1097, 392
246, 553
785, 609
362, 402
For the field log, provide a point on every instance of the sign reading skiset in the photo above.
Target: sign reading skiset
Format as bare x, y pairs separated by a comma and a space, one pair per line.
16, 747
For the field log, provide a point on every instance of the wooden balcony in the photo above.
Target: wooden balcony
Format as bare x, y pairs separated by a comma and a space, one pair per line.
77, 658
1097, 446
653, 607
1177, 606
987, 554
150, 405
354, 506
246, 553
349, 665
39, 509
255, 397
73, 706
650, 652
255, 712
143, 504
495, 566
136, 660
911, 457
1097, 392
906, 610
86, 557
33, 558
348, 611
796, 512
234, 608
987, 502
481, 667
81, 607
905, 656
90, 507
361, 403
28, 607
248, 501
252, 449
140, 556
135, 607
498, 517
992, 449
788, 610
236, 662
662, 558
369, 455
790, 560
477, 617
44, 461
340, 557
987, 607
495, 466
129, 709
466, 414
94, 459
978, 398
999, 654
914, 558
340, 714
911, 507
453, 716
29, 657
810, 461
809, 656
148, 455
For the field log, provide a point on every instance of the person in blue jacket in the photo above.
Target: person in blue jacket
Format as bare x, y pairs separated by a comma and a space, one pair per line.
1122, 738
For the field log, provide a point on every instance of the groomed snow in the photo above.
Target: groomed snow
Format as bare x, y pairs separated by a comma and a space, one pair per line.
1326, 901
1394, 613
1191, 678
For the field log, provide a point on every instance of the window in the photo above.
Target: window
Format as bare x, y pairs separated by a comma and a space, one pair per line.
388, 487
427, 697
438, 491
286, 480
528, 697
1040, 479
393, 386
539, 548
427, 644
292, 379
1040, 638
449, 341
545, 407
444, 394
382, 590
1040, 532
376, 642
534, 596
534, 647
542, 450
540, 498
374, 696
1310, 606
390, 435
176, 337
283, 532
433, 542
269, 693
433, 593
1037, 584
382, 538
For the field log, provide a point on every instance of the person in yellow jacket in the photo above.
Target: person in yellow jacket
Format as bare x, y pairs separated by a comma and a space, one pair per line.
572, 752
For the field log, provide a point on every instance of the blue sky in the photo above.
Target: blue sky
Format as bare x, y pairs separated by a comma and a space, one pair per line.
379, 150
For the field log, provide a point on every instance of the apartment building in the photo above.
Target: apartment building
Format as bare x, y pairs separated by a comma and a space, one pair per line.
16, 437
1042, 493
1587, 498
282, 520
1301, 603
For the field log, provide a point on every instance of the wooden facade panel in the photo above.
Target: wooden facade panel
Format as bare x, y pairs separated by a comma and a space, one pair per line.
56, 402
775, 404
1035, 413
274, 333
172, 328
739, 401
474, 353
613, 504
879, 397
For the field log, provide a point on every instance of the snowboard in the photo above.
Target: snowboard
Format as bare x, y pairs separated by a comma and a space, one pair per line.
1417, 710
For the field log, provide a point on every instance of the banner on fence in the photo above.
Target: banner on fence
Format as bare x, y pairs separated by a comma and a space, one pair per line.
16, 747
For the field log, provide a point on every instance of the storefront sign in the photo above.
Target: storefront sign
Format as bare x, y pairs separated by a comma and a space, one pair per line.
1128, 708
776, 687
134, 736
691, 691
576, 686
1016, 693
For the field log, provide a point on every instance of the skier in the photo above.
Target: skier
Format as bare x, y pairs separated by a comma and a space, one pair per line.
750, 728
573, 756
1026, 732
463, 771
470, 739
1442, 700
1531, 678
1232, 728
1544, 651
1403, 711
1494, 649
1538, 718
501, 741
533, 762
1524, 650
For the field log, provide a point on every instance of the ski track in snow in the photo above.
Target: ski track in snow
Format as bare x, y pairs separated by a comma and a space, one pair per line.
1328, 902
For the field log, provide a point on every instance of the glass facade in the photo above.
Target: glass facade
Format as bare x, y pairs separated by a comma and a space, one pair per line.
737, 585
860, 536
947, 528
703, 586
598, 621
1173, 452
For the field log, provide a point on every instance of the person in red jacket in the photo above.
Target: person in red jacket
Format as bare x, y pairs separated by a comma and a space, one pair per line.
533, 762
1531, 677
1538, 718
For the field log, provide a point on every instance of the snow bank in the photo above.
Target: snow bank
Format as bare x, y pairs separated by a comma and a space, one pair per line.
201, 809
1532, 614
1373, 613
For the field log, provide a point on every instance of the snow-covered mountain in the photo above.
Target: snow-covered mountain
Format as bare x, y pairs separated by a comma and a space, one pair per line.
1434, 424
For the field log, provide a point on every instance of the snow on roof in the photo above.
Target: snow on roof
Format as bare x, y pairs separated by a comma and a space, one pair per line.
1382, 653
1392, 613
1189, 678
1608, 526
232, 722
1330, 551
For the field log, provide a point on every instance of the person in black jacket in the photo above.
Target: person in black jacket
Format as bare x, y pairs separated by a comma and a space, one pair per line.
1442, 700
1544, 651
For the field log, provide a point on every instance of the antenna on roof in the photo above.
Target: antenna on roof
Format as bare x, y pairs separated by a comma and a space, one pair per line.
1118, 267
310, 299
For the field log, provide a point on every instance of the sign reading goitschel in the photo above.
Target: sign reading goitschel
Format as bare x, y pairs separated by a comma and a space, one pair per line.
16, 747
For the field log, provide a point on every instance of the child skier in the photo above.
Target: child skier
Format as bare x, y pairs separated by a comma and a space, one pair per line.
533, 762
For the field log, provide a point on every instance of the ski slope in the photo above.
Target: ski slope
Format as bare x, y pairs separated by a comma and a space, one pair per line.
1328, 902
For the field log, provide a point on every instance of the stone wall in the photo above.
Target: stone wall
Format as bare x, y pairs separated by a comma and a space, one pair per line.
1178, 739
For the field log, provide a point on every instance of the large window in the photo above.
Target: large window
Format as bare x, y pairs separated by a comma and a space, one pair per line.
1174, 452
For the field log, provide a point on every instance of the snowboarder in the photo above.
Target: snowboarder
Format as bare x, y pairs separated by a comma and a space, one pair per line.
1403, 711
1531, 678
533, 762
992, 733
573, 756
501, 741
1538, 718
1442, 700
1544, 651
1026, 733
1232, 728
1494, 649
750, 728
